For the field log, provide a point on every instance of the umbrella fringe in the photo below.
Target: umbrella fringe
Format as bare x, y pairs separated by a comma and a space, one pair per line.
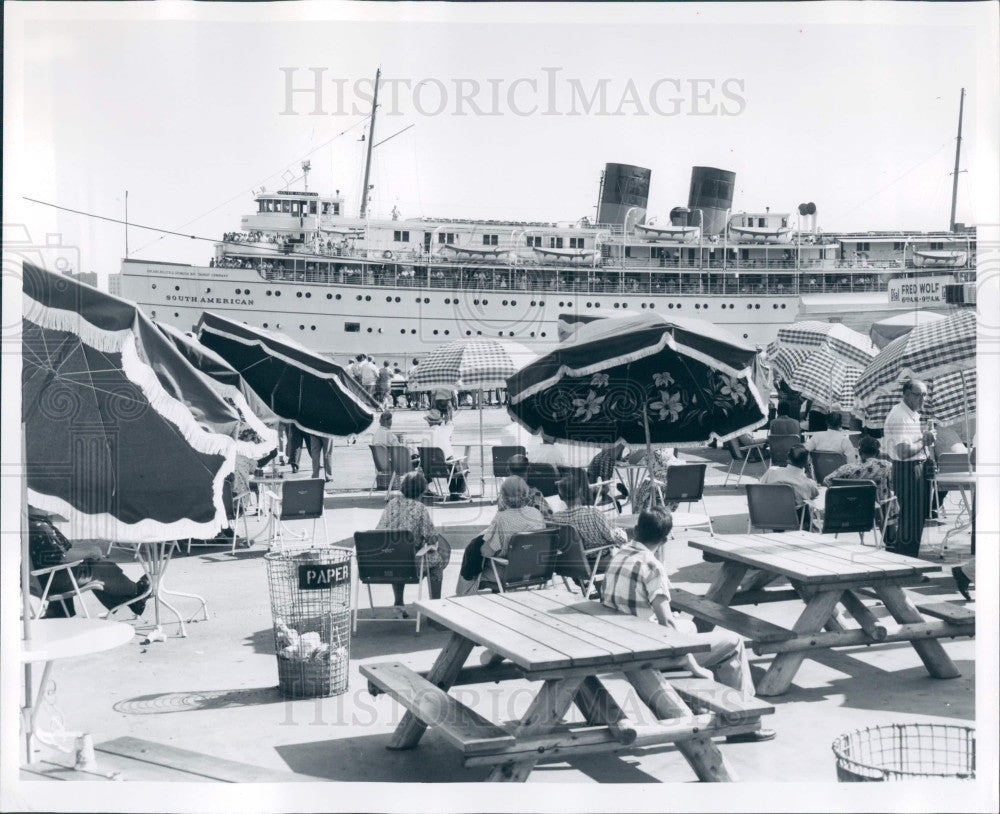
893, 387
59, 319
667, 340
103, 526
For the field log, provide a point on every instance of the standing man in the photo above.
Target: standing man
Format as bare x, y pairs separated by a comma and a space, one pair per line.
321, 449
907, 445
369, 375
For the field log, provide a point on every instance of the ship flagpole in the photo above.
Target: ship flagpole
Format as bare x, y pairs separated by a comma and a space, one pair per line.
371, 141
958, 154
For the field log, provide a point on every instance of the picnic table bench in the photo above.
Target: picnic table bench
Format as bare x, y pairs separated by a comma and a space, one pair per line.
824, 572
564, 644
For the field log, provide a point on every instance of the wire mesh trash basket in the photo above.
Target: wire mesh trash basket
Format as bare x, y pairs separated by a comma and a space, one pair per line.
904, 751
310, 605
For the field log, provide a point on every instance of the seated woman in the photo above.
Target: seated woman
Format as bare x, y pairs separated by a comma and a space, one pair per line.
657, 466
590, 522
440, 430
47, 547
405, 512
879, 472
519, 515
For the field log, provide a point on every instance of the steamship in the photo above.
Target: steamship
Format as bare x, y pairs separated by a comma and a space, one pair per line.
396, 288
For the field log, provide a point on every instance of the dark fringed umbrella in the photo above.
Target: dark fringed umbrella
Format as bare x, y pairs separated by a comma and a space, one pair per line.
258, 435
643, 379
123, 438
300, 386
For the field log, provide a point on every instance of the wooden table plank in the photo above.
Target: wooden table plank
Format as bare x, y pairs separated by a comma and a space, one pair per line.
630, 637
806, 559
469, 616
580, 649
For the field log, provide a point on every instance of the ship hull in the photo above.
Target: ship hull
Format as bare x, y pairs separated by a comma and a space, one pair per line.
401, 321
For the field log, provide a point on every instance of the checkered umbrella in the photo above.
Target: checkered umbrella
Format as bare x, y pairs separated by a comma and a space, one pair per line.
942, 354
470, 364
821, 361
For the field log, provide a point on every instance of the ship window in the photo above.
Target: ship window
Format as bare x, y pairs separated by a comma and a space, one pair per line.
762, 222
898, 246
576, 242
555, 242
401, 237
352, 327
336, 209
285, 206
491, 240
864, 247
312, 207
937, 246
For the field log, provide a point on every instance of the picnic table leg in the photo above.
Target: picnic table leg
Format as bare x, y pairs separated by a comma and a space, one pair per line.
723, 589
702, 755
933, 655
545, 712
833, 624
443, 674
779, 675
598, 707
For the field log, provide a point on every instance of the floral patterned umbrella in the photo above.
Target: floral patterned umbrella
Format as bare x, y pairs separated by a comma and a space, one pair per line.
641, 379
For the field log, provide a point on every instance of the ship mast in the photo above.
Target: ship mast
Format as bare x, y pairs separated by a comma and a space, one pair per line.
958, 153
371, 142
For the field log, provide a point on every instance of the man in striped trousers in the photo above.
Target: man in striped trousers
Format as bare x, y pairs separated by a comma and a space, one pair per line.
907, 445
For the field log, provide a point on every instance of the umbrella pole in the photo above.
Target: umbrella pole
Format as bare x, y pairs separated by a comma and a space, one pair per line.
26, 600
482, 465
656, 498
965, 412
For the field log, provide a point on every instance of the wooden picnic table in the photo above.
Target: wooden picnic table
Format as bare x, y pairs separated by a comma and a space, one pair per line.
566, 644
825, 572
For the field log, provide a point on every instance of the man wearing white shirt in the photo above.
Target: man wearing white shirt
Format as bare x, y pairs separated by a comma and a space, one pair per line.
369, 375
907, 444
833, 439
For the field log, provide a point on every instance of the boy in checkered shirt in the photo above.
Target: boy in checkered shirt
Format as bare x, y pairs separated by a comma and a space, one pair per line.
636, 583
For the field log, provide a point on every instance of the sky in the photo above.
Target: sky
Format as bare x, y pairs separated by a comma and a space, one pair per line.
855, 110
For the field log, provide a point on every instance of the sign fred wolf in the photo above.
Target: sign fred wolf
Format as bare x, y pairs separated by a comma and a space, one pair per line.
323, 576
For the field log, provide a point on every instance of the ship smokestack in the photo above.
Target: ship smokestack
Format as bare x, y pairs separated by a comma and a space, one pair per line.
712, 193
625, 186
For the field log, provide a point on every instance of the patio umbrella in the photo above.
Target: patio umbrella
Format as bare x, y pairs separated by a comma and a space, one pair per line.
258, 434
301, 387
885, 330
942, 353
640, 379
471, 364
123, 438
821, 361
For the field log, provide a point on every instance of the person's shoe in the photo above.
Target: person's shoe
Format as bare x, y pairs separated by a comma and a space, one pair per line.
962, 582
295, 468
400, 612
622, 490
758, 736
140, 588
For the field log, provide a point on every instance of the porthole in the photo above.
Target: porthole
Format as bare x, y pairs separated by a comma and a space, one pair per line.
504, 302
624, 305
368, 298
369, 330
543, 333
532, 333
616, 305
652, 305
153, 314
513, 302
590, 305
705, 305
154, 285
782, 305
447, 332
359, 298
749, 307
277, 293
455, 301
397, 299
597, 305
680, 305
560, 301
176, 314
486, 302
302, 327
209, 291
413, 330
268, 292
697, 306
541, 303
468, 333
308, 294
338, 296
510, 333
746, 336
532, 303
475, 302
312, 327
418, 299
328, 296
644, 305
774, 305
427, 299
435, 332
757, 306
402, 330
177, 288
265, 324
298, 294
446, 301
670, 305
499, 333
388, 299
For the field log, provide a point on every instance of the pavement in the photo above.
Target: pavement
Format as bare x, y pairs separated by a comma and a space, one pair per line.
215, 691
